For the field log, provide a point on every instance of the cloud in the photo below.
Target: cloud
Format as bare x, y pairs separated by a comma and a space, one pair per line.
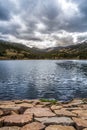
43, 23
4, 12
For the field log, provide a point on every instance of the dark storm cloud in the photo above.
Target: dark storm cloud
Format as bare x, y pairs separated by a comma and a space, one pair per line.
79, 24
83, 9
24, 19
45, 12
50, 10
9, 29
4, 12
51, 15
29, 37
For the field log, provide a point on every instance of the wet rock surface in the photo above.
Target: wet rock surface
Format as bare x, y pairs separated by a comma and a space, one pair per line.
38, 115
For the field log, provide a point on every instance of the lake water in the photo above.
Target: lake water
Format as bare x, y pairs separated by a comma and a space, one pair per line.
33, 79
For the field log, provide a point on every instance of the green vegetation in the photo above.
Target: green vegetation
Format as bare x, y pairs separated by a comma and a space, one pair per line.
52, 101
19, 51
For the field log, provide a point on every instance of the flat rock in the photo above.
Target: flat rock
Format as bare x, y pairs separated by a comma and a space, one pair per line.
1, 112
18, 120
34, 126
28, 101
45, 103
36, 102
84, 106
27, 105
59, 127
73, 108
40, 106
64, 112
40, 112
10, 128
8, 108
7, 103
74, 103
55, 120
77, 101
85, 117
55, 107
80, 123
81, 113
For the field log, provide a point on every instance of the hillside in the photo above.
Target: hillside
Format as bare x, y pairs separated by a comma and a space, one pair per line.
78, 51
15, 51
20, 51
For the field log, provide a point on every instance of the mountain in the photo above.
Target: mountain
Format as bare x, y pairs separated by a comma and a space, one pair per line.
46, 49
9, 50
78, 51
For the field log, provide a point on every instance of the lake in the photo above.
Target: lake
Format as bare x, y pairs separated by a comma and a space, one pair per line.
33, 79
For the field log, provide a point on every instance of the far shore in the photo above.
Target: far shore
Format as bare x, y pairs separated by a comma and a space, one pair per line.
1, 59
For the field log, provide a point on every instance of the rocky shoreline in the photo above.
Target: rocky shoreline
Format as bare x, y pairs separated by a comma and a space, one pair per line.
41, 115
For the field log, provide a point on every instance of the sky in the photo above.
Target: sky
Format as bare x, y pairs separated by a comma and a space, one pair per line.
43, 23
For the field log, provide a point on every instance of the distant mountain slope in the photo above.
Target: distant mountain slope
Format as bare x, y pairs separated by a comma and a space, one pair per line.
19, 51
78, 51
10, 50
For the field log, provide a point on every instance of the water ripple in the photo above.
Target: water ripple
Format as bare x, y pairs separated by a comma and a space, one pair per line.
59, 79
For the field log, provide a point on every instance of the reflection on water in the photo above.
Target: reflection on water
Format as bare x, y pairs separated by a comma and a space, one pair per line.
59, 79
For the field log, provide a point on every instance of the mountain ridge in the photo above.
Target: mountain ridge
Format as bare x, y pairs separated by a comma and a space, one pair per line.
12, 50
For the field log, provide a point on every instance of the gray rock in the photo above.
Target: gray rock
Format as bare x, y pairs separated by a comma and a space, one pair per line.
55, 120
